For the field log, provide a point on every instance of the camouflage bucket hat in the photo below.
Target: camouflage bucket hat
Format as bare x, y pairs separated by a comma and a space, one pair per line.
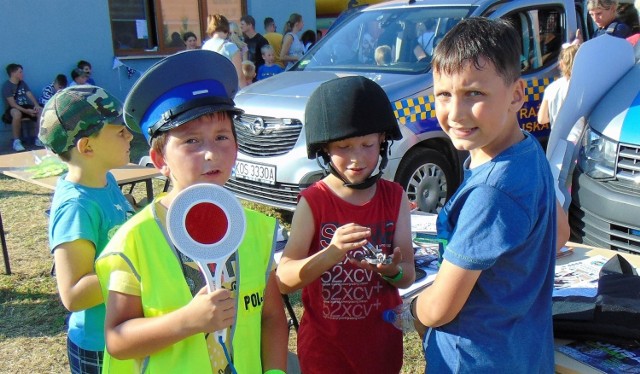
77, 112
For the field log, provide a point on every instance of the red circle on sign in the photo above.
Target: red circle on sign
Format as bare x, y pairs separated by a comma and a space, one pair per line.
206, 223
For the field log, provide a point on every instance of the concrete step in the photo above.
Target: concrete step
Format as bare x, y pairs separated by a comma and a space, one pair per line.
6, 137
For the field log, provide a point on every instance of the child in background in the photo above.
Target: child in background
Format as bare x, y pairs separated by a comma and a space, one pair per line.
555, 92
159, 314
59, 83
85, 128
19, 104
489, 308
248, 71
348, 124
383, 55
78, 77
85, 66
270, 68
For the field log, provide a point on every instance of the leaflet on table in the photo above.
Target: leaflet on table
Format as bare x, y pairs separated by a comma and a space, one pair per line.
423, 222
579, 278
431, 271
603, 356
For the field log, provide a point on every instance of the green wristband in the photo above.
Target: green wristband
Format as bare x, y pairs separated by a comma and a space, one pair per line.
274, 371
396, 277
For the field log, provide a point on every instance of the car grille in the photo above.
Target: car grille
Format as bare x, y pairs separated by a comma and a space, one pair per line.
266, 136
280, 195
628, 165
589, 228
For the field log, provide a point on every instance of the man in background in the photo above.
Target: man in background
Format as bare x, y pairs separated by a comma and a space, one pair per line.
255, 41
274, 38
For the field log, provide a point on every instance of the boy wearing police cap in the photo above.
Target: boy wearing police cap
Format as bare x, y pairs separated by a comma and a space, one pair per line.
348, 125
83, 125
159, 313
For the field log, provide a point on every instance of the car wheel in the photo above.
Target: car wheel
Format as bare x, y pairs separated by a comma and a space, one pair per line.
428, 179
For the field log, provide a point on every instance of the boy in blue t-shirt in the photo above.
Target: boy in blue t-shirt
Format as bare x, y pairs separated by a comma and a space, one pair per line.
489, 308
84, 126
269, 68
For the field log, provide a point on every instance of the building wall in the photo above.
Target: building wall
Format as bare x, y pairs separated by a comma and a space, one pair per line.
49, 37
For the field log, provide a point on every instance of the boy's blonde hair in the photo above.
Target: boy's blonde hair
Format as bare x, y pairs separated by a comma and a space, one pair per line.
267, 47
248, 69
567, 56
382, 55
602, 4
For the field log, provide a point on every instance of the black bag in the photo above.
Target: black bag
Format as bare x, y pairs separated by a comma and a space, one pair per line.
612, 316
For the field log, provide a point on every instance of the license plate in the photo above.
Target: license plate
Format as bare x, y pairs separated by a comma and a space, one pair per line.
255, 172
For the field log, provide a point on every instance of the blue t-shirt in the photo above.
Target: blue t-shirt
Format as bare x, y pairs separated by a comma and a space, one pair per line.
502, 221
265, 71
93, 214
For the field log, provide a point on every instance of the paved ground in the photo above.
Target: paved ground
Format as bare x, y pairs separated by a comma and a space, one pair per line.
6, 140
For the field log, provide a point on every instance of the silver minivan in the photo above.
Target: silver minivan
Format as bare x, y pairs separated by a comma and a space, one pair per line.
272, 165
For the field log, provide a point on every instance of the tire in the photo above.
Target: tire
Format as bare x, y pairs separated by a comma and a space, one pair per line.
428, 179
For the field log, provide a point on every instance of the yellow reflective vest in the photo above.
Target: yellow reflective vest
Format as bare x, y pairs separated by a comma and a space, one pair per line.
140, 246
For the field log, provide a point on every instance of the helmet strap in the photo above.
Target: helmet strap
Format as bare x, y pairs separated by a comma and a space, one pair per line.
384, 147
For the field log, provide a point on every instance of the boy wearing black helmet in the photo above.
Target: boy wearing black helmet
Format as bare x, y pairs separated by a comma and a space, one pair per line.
349, 124
159, 313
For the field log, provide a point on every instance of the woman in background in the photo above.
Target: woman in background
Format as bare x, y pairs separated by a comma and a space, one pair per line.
235, 36
292, 47
218, 29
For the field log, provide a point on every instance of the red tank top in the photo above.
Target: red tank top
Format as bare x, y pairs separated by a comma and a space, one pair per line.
342, 330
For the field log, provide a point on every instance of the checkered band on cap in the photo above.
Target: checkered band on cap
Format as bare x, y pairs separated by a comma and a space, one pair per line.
76, 112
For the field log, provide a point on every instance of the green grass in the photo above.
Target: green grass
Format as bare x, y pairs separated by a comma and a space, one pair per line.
32, 330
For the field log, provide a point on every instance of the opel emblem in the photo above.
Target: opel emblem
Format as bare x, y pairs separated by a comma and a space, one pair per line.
257, 127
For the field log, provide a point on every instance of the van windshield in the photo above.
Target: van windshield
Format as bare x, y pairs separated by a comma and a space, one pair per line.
394, 40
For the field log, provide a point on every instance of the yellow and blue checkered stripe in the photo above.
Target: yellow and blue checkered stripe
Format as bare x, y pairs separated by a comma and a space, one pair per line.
418, 109
535, 88
415, 109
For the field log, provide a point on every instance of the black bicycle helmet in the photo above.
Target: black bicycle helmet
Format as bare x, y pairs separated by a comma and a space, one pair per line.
344, 108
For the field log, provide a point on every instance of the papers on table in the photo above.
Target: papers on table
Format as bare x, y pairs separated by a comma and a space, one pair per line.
579, 278
423, 222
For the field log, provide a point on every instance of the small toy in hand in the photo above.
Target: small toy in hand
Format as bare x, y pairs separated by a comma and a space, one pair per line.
375, 256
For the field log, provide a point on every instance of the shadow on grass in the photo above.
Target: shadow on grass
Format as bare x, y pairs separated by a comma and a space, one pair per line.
30, 315
18, 193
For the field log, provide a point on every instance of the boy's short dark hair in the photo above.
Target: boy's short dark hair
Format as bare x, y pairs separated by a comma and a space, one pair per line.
83, 63
188, 35
268, 22
478, 38
11, 68
77, 72
249, 20
61, 80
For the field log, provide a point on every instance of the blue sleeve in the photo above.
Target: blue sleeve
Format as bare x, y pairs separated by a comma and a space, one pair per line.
485, 223
72, 220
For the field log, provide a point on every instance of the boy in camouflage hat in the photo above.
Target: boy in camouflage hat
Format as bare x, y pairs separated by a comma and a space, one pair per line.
83, 125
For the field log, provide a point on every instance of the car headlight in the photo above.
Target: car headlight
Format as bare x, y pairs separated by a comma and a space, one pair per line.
598, 155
